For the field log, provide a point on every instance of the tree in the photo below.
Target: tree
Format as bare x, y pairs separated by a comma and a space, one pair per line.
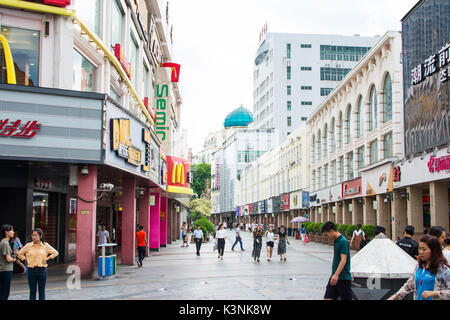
202, 172
202, 206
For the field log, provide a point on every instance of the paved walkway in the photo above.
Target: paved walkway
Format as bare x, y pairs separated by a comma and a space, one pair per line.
178, 273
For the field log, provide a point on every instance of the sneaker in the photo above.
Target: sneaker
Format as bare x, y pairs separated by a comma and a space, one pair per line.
268, 260
285, 259
258, 260
232, 249
242, 250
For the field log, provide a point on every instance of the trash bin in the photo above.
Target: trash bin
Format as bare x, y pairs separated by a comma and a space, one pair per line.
110, 265
107, 264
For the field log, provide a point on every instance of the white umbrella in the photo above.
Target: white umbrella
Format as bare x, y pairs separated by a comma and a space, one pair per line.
299, 220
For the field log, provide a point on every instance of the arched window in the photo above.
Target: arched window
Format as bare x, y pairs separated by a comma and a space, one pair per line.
387, 99
373, 109
360, 131
333, 135
319, 145
349, 123
325, 140
341, 131
314, 148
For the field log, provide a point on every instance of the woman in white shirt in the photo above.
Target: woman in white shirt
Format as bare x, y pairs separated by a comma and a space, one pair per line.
270, 237
220, 240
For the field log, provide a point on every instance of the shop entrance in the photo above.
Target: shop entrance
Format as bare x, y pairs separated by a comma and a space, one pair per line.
48, 214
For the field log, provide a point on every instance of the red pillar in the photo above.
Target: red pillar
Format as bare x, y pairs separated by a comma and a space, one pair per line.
128, 221
144, 213
154, 224
86, 221
163, 223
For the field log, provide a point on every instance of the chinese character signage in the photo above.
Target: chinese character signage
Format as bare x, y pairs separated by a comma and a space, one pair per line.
121, 143
351, 188
19, 129
118, 52
439, 164
426, 72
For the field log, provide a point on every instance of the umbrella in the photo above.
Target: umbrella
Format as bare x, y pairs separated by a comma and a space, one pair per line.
299, 220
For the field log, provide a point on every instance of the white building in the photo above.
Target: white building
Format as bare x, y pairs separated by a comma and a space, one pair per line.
295, 72
356, 134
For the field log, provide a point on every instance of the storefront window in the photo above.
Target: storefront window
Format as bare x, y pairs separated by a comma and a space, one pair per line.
360, 159
349, 124
89, 13
116, 23
83, 73
373, 109
360, 131
40, 210
350, 165
24, 45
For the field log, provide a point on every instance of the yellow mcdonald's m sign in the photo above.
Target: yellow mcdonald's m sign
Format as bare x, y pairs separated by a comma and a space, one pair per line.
10, 72
178, 176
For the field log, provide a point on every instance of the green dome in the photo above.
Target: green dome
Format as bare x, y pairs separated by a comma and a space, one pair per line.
240, 117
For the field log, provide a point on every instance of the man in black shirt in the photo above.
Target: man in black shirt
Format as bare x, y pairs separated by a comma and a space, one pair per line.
408, 244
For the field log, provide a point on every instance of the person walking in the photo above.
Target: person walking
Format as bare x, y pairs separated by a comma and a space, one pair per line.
238, 238
102, 238
270, 243
6, 260
257, 243
408, 244
439, 233
303, 234
184, 235
358, 236
282, 240
431, 277
36, 254
220, 240
141, 237
198, 236
339, 285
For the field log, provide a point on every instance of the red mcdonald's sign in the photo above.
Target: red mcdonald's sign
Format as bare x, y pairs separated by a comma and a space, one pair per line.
175, 70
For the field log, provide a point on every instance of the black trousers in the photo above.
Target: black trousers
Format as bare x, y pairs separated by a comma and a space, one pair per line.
198, 244
221, 246
5, 284
141, 253
37, 278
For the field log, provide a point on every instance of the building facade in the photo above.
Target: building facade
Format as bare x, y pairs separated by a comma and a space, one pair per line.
424, 174
84, 135
293, 73
276, 183
356, 133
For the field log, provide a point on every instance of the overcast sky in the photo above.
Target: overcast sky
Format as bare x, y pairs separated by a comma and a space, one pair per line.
215, 42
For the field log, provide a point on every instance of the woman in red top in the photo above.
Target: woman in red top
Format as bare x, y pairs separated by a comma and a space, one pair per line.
141, 245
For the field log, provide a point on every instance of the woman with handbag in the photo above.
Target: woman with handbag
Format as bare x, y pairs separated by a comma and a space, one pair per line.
257, 243
220, 240
359, 236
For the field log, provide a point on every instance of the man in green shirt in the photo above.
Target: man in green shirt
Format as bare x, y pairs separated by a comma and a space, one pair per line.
339, 285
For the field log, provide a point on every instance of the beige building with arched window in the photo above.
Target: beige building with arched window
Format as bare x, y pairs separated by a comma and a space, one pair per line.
356, 134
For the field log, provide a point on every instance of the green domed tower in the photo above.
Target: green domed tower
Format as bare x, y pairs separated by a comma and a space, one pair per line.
240, 117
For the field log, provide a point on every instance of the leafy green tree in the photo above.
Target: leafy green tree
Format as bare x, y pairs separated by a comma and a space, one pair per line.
202, 206
202, 172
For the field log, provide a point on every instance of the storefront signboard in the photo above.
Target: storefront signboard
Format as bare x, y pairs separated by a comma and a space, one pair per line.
305, 199
285, 202
118, 52
50, 124
351, 188
179, 175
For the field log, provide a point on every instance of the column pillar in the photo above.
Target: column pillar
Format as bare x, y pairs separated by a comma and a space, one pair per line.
357, 214
331, 214
169, 221
144, 213
128, 220
317, 215
439, 204
163, 222
347, 212
86, 221
323, 212
414, 210
384, 214
339, 213
369, 212
178, 226
399, 216
155, 224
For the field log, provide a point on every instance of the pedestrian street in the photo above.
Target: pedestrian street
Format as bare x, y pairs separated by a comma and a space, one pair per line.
177, 273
